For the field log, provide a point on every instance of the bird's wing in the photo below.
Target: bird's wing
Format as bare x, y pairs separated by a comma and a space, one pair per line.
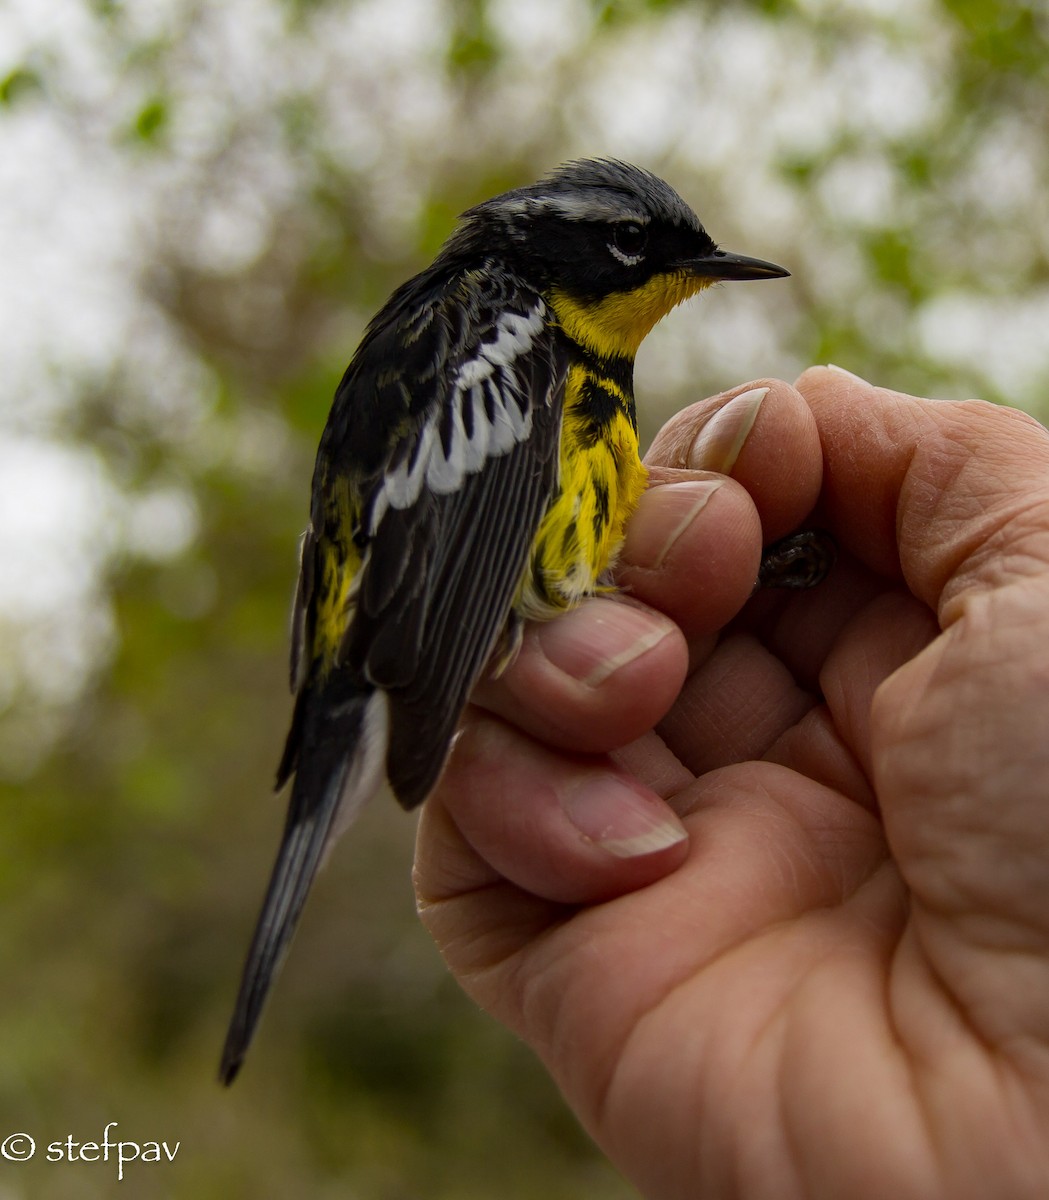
437, 465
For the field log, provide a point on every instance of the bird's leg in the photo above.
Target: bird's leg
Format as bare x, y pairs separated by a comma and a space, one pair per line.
801, 560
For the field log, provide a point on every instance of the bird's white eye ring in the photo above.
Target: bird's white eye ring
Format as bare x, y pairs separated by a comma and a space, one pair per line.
628, 242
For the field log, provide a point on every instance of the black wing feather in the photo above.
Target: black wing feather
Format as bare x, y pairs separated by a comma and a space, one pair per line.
475, 592
439, 574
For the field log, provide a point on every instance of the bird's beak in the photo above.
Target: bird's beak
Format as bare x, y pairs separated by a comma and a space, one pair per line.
723, 265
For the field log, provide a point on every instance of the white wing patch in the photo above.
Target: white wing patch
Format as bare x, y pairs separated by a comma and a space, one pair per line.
489, 413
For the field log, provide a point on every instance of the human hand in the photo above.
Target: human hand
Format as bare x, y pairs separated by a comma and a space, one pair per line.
771, 901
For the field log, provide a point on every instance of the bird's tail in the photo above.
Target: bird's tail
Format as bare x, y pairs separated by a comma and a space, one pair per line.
337, 748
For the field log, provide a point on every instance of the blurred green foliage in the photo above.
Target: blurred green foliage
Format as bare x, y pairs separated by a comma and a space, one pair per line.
135, 845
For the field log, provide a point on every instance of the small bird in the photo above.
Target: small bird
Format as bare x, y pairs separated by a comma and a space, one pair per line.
477, 470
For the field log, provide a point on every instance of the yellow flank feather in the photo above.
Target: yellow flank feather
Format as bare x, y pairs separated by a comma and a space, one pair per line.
602, 479
336, 585
334, 606
617, 325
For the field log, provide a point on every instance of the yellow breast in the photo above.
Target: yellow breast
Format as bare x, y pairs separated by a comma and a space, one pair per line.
601, 481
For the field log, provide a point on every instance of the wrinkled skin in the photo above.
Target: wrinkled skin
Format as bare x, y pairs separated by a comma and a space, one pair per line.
765, 883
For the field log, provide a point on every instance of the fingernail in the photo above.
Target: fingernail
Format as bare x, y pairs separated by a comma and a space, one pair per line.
663, 516
847, 374
625, 822
719, 442
592, 642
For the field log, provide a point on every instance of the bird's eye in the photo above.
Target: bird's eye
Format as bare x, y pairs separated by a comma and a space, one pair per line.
628, 242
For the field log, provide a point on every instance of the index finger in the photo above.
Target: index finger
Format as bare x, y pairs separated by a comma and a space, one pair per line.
763, 435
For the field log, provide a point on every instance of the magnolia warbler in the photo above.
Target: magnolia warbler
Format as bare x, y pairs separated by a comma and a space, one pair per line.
477, 470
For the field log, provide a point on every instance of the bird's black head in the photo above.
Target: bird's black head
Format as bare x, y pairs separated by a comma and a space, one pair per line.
610, 243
